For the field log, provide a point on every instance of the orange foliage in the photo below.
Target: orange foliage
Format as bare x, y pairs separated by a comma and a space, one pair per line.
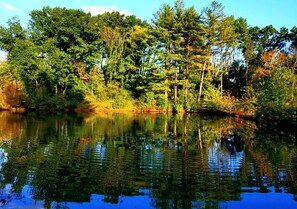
261, 73
274, 59
269, 57
14, 95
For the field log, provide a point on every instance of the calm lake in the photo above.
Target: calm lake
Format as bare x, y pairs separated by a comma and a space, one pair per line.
74, 161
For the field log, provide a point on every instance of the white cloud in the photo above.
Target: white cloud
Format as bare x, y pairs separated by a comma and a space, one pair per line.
8, 6
96, 10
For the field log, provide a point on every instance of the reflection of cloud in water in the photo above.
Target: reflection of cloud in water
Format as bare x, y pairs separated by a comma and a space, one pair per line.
222, 161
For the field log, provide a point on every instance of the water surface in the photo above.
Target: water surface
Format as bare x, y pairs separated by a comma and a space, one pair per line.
107, 161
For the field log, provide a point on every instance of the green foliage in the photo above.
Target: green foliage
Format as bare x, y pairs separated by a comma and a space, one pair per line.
214, 100
247, 103
277, 100
162, 102
211, 96
121, 99
115, 59
97, 86
147, 100
190, 101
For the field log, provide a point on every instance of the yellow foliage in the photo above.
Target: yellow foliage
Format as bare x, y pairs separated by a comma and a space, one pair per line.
138, 32
3, 83
107, 105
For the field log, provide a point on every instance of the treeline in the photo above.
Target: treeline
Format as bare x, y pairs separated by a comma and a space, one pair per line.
182, 61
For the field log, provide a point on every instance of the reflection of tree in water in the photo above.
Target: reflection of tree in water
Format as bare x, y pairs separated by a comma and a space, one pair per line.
182, 160
292, 176
11, 125
269, 163
194, 181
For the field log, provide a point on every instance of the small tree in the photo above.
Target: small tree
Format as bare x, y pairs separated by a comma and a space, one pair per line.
275, 101
214, 100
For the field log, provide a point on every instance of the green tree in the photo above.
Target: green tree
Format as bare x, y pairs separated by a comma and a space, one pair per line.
245, 44
165, 29
228, 39
275, 101
114, 41
293, 36
212, 21
14, 32
139, 59
192, 51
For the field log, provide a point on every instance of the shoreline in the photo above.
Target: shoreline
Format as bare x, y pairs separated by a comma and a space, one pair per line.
261, 122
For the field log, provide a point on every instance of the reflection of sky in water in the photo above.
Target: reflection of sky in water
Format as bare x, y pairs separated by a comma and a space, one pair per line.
219, 159
101, 150
3, 158
20, 201
271, 200
249, 200
25, 201
143, 202
223, 161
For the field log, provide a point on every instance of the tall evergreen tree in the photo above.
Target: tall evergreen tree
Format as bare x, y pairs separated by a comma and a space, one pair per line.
165, 28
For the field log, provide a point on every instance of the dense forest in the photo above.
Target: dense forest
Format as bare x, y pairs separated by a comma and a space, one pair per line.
184, 60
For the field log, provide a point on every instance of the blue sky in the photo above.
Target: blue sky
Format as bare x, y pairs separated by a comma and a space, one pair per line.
279, 13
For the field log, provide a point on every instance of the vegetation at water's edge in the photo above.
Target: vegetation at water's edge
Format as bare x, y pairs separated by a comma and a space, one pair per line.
182, 61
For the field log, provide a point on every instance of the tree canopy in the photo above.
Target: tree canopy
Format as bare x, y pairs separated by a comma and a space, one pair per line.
183, 61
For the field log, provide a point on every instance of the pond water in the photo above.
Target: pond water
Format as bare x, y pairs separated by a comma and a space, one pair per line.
72, 161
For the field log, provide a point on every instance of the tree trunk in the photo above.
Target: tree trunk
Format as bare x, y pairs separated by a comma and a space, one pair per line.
201, 86
175, 87
221, 84
293, 86
201, 81
186, 84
